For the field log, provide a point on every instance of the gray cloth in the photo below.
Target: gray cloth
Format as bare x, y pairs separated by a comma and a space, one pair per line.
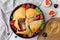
6, 8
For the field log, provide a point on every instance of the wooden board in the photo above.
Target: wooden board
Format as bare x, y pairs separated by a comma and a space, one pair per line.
50, 37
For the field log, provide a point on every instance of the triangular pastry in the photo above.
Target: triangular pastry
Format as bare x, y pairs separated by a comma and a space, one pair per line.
35, 25
31, 12
19, 13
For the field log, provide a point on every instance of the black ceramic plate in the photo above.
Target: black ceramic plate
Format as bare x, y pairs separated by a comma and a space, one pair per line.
11, 17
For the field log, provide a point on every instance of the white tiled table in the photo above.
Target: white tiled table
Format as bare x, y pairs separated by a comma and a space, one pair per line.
45, 11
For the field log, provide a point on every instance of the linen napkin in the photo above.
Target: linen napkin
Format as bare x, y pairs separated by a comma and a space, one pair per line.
6, 8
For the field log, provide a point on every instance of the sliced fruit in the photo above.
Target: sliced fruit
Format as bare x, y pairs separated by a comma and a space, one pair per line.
21, 23
35, 25
23, 19
31, 12
24, 30
14, 28
12, 22
41, 16
52, 12
47, 3
37, 17
32, 6
27, 6
19, 13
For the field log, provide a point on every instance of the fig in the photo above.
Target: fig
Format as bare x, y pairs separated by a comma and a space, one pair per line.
47, 3
52, 12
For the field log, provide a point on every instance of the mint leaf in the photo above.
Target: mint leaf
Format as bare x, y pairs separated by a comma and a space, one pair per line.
20, 22
29, 29
38, 10
42, 26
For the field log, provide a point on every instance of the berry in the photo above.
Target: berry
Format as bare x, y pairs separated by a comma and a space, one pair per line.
32, 6
44, 34
14, 28
52, 12
37, 17
23, 19
55, 5
27, 6
24, 5
12, 22
41, 16
24, 36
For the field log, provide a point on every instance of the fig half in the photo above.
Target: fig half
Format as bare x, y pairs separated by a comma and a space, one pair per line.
47, 3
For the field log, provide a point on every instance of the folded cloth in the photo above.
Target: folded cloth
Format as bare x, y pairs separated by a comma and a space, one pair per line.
6, 8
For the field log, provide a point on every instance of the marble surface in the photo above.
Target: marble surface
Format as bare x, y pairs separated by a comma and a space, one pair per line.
47, 17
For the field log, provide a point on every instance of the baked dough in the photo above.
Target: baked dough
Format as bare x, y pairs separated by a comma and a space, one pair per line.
19, 13
31, 12
35, 25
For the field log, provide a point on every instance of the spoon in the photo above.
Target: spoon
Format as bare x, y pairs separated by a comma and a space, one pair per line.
53, 26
